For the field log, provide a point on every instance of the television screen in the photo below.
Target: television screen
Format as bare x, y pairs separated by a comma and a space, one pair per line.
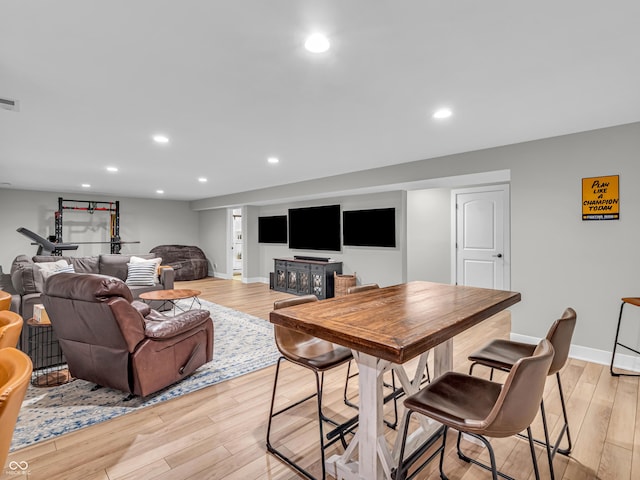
369, 228
315, 228
272, 229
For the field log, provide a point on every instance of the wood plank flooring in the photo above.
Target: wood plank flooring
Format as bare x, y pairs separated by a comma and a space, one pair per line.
219, 432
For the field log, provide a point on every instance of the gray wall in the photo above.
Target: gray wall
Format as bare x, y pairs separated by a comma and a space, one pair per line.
558, 260
151, 222
386, 266
429, 235
213, 238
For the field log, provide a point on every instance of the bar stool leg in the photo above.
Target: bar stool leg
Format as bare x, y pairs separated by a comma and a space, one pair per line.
565, 428
546, 440
615, 346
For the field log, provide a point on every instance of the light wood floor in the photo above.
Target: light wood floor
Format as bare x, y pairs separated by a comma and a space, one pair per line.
219, 432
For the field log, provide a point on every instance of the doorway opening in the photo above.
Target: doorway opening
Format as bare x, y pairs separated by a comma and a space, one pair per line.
236, 243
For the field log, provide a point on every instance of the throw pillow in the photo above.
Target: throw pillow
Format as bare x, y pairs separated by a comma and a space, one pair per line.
43, 270
141, 273
67, 269
156, 261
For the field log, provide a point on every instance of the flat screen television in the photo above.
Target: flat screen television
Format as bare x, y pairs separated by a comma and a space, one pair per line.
272, 229
369, 228
315, 228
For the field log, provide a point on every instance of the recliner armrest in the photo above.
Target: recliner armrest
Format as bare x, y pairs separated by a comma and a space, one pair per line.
159, 326
141, 307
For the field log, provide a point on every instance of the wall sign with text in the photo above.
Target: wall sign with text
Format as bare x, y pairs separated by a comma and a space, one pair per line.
601, 198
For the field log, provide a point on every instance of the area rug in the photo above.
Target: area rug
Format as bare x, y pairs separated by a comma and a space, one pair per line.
242, 344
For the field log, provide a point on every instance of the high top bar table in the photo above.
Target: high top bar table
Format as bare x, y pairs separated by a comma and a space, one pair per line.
386, 328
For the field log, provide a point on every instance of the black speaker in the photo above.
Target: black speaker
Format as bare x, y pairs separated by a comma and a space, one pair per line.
271, 284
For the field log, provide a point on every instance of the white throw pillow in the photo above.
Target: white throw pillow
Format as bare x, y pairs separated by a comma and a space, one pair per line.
44, 270
142, 273
51, 266
156, 261
65, 269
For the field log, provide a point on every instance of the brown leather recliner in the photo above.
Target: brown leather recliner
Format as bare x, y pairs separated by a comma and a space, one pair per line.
114, 341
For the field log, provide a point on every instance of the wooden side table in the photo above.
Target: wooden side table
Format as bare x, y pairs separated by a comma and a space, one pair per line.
48, 362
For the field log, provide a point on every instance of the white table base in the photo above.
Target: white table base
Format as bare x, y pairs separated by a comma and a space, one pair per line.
376, 460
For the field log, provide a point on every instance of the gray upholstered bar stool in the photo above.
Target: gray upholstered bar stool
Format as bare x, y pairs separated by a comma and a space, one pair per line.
503, 354
318, 356
480, 408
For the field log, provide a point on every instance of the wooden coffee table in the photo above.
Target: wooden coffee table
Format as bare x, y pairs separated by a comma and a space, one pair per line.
170, 296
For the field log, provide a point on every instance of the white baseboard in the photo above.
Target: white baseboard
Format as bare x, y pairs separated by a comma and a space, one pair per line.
226, 276
602, 357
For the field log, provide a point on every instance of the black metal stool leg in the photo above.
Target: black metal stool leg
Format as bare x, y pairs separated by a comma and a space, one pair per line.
401, 472
565, 428
533, 455
615, 347
493, 468
346, 387
337, 434
546, 440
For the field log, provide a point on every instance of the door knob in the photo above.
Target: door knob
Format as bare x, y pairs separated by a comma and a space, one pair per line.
498, 255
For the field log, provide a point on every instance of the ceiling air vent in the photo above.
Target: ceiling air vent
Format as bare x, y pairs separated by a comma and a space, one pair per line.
9, 104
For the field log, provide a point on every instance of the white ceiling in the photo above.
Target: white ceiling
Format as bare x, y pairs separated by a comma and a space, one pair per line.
231, 84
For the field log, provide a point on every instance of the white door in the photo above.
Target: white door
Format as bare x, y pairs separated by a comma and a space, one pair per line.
482, 249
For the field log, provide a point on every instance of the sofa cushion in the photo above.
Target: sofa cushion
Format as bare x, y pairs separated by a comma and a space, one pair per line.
22, 275
115, 264
85, 264
80, 264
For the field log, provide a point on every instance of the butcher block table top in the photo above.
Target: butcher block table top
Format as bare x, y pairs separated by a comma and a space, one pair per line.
399, 322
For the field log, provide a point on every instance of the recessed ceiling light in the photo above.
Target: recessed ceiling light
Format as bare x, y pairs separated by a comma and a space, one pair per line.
273, 160
112, 169
317, 43
442, 113
160, 139
202, 180
160, 192
86, 185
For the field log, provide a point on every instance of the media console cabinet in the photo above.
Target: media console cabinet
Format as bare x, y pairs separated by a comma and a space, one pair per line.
306, 275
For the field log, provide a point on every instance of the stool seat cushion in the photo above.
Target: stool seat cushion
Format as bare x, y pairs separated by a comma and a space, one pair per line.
502, 354
456, 400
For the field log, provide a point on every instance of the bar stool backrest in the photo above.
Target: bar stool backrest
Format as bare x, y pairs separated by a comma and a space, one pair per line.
294, 344
5, 300
560, 335
521, 394
362, 288
10, 328
15, 373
